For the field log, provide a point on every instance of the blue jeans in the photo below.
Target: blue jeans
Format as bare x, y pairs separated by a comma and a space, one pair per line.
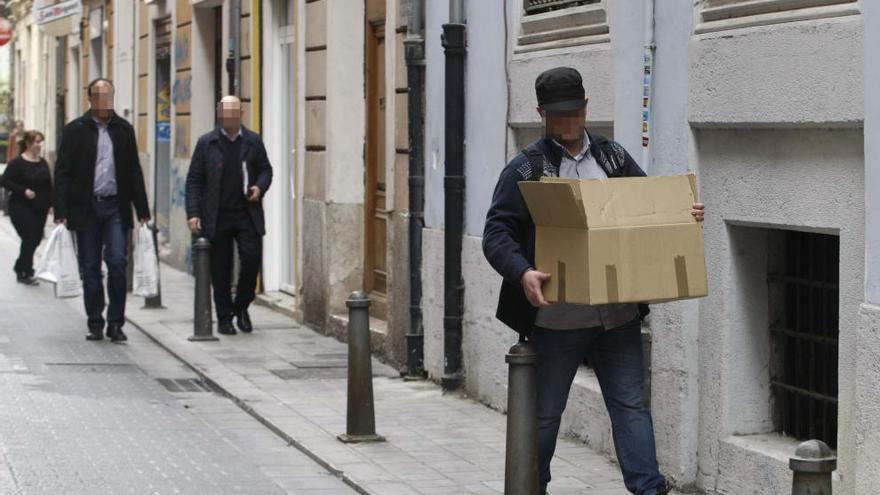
616, 357
103, 234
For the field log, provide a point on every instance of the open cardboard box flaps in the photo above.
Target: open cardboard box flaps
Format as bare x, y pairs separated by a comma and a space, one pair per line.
620, 240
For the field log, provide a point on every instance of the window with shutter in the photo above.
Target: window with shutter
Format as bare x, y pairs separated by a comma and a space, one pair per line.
721, 15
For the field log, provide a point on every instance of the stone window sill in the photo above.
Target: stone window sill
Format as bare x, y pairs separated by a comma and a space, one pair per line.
581, 25
753, 13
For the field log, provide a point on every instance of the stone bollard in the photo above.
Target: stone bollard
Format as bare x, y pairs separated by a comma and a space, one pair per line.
360, 417
813, 463
521, 455
202, 325
156, 301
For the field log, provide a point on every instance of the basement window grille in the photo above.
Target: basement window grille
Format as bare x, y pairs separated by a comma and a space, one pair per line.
541, 6
805, 334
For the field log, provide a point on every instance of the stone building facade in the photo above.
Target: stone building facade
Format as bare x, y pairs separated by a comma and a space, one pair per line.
768, 103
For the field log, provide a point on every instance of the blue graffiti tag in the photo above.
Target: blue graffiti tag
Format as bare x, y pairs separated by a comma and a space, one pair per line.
178, 186
181, 49
182, 91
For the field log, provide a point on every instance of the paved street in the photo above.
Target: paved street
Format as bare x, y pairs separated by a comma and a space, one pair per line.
294, 379
78, 417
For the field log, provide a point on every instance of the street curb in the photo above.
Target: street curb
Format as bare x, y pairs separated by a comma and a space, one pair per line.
267, 302
242, 404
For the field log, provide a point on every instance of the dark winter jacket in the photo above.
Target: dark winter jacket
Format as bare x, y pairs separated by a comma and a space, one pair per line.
75, 171
509, 234
21, 175
206, 171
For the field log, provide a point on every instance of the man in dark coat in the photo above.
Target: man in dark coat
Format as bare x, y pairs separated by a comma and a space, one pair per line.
98, 178
228, 176
563, 335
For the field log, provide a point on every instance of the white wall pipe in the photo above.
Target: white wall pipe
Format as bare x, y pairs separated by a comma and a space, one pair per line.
648, 84
456, 12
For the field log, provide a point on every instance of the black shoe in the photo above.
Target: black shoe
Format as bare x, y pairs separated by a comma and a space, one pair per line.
665, 489
226, 328
94, 335
243, 321
116, 334
26, 279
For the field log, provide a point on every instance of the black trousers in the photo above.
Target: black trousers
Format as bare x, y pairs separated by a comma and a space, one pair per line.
29, 224
237, 226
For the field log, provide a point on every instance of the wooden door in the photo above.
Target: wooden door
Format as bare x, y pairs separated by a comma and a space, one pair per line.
375, 212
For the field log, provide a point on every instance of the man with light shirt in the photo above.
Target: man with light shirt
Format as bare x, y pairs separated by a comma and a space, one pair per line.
98, 178
563, 335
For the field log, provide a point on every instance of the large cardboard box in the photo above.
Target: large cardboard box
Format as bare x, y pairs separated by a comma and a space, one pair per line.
620, 240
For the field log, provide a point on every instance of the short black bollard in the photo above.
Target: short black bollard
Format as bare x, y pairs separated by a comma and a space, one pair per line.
202, 325
361, 417
155, 302
521, 463
813, 463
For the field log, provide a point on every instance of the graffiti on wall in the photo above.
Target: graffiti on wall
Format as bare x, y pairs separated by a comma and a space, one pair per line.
182, 45
178, 186
181, 93
181, 137
163, 114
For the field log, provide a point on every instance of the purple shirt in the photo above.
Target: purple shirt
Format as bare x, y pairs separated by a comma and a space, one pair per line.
105, 163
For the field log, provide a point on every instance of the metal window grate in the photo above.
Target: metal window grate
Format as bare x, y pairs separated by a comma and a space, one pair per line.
806, 332
540, 6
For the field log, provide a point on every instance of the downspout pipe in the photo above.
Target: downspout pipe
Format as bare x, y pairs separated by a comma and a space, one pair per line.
648, 84
415, 69
233, 60
647, 124
455, 45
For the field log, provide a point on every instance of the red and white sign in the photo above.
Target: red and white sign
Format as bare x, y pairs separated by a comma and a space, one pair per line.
5, 31
50, 13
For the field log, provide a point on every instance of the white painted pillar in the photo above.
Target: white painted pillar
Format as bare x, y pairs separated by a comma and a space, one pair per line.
674, 326
866, 474
124, 30
345, 134
627, 45
871, 15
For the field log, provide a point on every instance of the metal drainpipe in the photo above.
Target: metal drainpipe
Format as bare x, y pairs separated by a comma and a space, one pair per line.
233, 61
454, 42
415, 65
647, 123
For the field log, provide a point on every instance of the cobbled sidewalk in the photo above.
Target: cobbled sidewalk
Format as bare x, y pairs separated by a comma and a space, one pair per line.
94, 418
294, 381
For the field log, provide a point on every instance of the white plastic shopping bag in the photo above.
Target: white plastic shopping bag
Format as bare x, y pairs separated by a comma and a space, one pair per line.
146, 264
48, 269
68, 282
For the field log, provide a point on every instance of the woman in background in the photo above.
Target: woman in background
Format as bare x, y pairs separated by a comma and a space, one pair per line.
27, 177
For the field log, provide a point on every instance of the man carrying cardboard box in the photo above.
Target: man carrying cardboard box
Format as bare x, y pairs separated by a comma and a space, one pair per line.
562, 334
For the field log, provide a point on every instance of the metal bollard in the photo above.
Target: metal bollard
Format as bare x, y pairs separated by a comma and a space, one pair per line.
202, 325
813, 463
361, 418
521, 463
155, 302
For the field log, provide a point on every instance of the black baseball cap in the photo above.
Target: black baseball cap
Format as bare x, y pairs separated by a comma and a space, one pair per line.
560, 88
